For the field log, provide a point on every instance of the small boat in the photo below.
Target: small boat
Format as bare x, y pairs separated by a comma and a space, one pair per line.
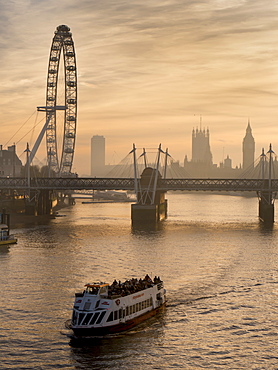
5, 236
103, 309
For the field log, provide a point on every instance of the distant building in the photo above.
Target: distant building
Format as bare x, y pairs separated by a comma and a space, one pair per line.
248, 149
97, 156
10, 164
201, 164
228, 162
201, 152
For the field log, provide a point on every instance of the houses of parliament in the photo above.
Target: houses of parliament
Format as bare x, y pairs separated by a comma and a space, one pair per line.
201, 164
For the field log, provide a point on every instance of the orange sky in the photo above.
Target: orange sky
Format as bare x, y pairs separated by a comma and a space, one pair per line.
147, 70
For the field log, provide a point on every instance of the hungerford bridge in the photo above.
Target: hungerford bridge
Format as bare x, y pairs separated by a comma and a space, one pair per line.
150, 185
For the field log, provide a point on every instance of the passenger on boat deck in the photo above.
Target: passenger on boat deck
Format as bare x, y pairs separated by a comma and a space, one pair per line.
147, 278
131, 286
156, 280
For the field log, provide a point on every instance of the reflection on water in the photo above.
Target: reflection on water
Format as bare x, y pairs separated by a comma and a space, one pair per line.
4, 249
148, 228
266, 228
219, 267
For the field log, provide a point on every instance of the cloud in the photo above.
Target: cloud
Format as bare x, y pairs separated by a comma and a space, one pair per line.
146, 66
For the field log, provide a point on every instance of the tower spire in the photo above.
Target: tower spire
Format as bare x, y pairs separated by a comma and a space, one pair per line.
248, 148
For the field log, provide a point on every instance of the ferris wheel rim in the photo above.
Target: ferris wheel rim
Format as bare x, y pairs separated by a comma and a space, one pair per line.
62, 43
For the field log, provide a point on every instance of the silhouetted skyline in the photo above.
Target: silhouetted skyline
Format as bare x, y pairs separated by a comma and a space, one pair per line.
147, 72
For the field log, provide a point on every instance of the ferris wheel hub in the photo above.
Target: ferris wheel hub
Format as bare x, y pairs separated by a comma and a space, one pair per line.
63, 28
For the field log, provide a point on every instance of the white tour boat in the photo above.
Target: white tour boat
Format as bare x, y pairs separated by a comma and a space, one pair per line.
102, 308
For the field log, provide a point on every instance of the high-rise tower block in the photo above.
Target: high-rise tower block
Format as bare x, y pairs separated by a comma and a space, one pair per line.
97, 155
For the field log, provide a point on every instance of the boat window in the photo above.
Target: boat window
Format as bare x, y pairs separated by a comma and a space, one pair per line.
97, 304
103, 290
91, 290
127, 310
87, 305
81, 317
87, 318
137, 307
143, 305
94, 318
100, 317
120, 313
140, 306
74, 317
115, 315
110, 317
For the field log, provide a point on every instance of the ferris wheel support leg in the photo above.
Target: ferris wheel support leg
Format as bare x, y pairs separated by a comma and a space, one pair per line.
38, 141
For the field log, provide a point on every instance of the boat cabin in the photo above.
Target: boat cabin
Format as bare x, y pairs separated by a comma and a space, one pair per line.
100, 289
4, 232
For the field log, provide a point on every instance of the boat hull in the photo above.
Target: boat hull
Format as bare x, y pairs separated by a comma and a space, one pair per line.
8, 241
123, 326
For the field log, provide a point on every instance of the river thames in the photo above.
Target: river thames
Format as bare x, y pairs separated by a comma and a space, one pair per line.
218, 264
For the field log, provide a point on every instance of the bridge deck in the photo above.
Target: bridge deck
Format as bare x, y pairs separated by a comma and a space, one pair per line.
63, 184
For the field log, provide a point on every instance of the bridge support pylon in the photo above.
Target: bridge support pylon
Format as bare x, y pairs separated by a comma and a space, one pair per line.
151, 206
39, 203
267, 196
148, 213
266, 207
44, 203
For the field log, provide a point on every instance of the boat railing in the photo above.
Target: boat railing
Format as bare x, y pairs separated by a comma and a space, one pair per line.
114, 296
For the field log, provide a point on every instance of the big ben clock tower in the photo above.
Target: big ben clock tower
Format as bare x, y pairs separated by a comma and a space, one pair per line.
248, 149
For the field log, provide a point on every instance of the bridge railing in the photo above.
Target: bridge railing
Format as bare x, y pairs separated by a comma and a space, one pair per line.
218, 184
63, 184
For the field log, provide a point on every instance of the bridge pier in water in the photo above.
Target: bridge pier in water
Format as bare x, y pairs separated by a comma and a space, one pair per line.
266, 196
266, 207
39, 203
151, 206
149, 213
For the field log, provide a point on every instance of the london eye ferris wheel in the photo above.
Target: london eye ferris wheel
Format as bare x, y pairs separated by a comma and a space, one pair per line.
62, 49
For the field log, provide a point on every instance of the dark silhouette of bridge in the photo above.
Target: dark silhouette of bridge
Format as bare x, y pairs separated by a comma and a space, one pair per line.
150, 188
84, 183
42, 187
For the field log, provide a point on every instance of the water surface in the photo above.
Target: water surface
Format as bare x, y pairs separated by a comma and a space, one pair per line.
219, 266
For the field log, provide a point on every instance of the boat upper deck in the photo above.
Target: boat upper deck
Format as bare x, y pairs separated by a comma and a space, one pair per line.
121, 289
